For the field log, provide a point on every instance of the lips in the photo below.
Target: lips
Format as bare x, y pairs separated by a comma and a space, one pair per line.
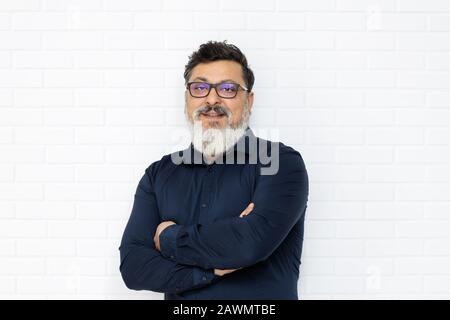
212, 115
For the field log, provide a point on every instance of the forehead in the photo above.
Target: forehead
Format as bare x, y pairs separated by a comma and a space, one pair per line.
217, 71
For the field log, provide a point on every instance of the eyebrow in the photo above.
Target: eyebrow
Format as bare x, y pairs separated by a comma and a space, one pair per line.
204, 79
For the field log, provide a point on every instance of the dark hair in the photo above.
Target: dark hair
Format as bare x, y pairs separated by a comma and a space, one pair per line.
213, 51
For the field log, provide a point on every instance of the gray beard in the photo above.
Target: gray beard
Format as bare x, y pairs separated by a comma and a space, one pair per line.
213, 142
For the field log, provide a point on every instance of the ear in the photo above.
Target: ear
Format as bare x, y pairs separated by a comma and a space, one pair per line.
250, 99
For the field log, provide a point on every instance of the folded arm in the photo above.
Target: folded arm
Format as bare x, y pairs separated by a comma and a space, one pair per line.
142, 266
280, 201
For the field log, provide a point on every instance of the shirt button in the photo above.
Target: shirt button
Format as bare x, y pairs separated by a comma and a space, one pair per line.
172, 257
203, 205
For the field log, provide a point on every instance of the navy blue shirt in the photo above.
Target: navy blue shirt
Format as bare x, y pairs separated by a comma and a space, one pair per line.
205, 200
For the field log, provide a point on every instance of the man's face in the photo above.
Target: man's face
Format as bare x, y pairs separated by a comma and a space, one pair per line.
217, 72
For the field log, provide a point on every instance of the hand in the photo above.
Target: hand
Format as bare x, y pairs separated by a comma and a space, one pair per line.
158, 231
247, 210
222, 272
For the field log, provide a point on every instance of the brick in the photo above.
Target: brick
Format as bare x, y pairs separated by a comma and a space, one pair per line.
135, 116
14, 154
438, 61
251, 5
163, 21
19, 5
22, 228
423, 229
305, 40
365, 266
76, 229
20, 191
44, 173
76, 266
104, 211
394, 98
336, 60
72, 40
335, 210
372, 79
393, 210
361, 192
103, 60
437, 247
70, 78
426, 154
45, 210
20, 78
74, 192
423, 79
216, 21
365, 5
79, 155
101, 21
43, 135
7, 247
439, 22
134, 5
365, 41
43, 97
39, 21
372, 229
429, 6
97, 248
319, 5
393, 247
437, 284
333, 285
333, 136
423, 192
333, 248
103, 136
46, 247
22, 266
73, 116
334, 98
6, 210
6, 136
276, 21
335, 21
45, 284
137, 40
104, 173
303, 116
436, 210
7, 285
422, 265
394, 136
138, 78
398, 60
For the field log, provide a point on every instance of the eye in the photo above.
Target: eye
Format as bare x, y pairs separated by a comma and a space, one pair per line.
200, 87
228, 87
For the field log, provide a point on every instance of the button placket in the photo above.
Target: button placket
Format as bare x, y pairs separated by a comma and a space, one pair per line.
206, 193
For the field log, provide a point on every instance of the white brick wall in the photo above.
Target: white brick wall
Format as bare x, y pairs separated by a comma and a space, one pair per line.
91, 93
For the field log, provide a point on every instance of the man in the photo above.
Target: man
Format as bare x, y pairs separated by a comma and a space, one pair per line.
208, 222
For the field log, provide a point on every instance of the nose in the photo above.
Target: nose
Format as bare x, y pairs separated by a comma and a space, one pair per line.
213, 99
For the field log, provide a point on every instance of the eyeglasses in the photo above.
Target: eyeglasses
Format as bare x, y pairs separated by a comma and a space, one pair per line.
227, 90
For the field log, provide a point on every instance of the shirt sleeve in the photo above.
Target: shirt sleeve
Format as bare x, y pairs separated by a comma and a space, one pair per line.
280, 202
142, 266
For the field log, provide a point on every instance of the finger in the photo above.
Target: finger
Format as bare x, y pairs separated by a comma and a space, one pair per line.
247, 210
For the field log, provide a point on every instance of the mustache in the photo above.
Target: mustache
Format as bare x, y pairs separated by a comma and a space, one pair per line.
219, 109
